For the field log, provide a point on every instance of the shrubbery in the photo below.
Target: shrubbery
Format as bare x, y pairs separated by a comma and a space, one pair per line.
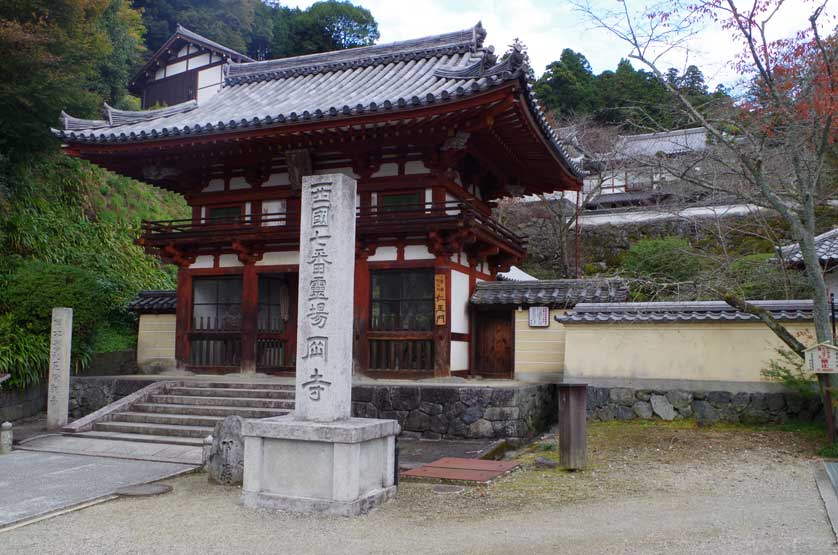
667, 259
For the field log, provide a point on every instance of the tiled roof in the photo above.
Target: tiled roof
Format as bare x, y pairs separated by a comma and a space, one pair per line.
560, 293
826, 245
662, 312
154, 302
515, 274
331, 85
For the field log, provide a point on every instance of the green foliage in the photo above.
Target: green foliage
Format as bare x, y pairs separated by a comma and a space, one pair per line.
262, 28
787, 369
666, 259
626, 96
60, 54
26, 306
758, 277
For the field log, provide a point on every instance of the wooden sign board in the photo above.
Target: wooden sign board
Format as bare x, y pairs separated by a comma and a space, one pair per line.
539, 317
439, 299
822, 359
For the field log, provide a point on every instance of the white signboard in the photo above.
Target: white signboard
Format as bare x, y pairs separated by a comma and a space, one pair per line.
822, 359
539, 317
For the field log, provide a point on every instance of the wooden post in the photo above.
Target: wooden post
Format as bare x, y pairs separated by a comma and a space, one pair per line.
360, 348
573, 400
183, 316
250, 314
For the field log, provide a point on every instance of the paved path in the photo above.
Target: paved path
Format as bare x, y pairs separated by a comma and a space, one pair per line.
34, 484
138, 450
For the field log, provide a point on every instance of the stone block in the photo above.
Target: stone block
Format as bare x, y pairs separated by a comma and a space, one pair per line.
503, 397
472, 414
481, 429
643, 409
794, 402
405, 398
757, 402
605, 413
740, 400
705, 413
439, 424
643, 395
719, 398
679, 399
502, 413
381, 398
622, 396
597, 397
775, 402
362, 394
441, 395
226, 456
417, 421
662, 407
431, 409
622, 412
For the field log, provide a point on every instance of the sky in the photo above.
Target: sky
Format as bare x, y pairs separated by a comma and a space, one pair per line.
549, 26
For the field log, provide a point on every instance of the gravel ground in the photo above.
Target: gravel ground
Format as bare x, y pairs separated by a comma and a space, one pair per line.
650, 489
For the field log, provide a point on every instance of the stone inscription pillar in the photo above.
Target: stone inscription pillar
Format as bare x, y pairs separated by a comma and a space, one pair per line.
325, 312
58, 393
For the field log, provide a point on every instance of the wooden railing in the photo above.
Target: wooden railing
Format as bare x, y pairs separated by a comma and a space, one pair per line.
215, 348
397, 351
271, 353
371, 221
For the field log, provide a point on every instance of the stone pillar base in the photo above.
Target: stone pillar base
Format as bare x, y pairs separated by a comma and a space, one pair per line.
341, 468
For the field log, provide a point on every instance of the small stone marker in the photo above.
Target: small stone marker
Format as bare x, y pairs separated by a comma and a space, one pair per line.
144, 490
5, 438
58, 393
226, 458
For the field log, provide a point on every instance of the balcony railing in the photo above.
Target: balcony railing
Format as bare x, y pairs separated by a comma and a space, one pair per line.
371, 221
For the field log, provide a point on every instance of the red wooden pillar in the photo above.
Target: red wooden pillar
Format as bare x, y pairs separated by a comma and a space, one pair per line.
250, 314
360, 347
183, 316
442, 329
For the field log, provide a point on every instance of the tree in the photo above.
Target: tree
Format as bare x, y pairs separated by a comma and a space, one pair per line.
785, 129
60, 54
568, 85
323, 27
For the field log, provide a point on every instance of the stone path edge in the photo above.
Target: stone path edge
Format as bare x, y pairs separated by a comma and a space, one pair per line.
828, 496
107, 456
85, 424
85, 503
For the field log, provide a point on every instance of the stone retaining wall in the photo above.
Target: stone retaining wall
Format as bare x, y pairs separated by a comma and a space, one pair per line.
707, 407
431, 412
457, 412
16, 404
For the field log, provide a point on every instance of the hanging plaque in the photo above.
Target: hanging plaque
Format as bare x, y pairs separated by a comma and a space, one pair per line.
439, 299
539, 317
822, 359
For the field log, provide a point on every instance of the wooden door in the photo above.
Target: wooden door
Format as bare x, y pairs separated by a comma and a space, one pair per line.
493, 356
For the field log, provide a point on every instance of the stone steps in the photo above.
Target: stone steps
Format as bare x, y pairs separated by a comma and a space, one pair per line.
201, 410
186, 414
154, 429
142, 438
249, 402
166, 418
232, 392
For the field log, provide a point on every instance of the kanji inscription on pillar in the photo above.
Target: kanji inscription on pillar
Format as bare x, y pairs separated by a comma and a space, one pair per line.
58, 390
327, 271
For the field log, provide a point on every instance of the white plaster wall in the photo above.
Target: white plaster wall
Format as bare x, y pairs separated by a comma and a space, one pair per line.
417, 252
214, 185
383, 254
229, 261
279, 258
183, 51
175, 68
415, 167
831, 279
451, 198
204, 261
459, 355
199, 61
273, 207
209, 76
277, 180
387, 170
160, 73
459, 302
237, 183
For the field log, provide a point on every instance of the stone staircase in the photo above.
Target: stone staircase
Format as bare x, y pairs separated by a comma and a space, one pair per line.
185, 414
